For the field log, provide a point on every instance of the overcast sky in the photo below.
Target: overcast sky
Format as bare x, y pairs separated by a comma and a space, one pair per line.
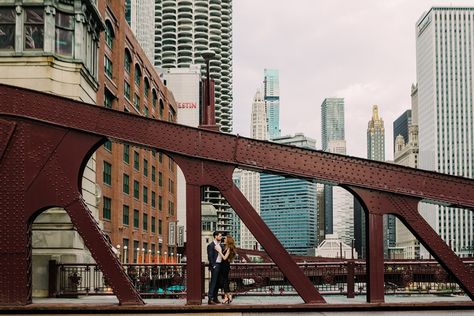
362, 51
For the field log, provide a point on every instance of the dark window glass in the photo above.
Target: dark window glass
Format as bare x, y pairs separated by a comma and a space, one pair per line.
153, 173
108, 145
108, 67
162, 109
153, 199
160, 226
109, 34
138, 75
64, 33
126, 215
153, 228
147, 87
136, 218
145, 167
136, 160
7, 28
136, 189
160, 202
34, 28
145, 194
107, 174
126, 90
108, 99
126, 153
107, 208
145, 222
126, 183
127, 61
136, 101
160, 179
154, 99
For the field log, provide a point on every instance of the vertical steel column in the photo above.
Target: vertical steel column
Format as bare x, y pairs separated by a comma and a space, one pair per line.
350, 278
193, 245
375, 259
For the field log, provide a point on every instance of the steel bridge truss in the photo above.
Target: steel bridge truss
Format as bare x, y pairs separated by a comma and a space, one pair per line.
46, 141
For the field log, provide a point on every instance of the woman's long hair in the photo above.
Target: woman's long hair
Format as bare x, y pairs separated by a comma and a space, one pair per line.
230, 244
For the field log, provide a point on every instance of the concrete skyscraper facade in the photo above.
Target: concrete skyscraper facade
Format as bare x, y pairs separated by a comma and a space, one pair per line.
272, 101
444, 54
376, 137
332, 130
249, 181
332, 125
289, 206
140, 15
186, 29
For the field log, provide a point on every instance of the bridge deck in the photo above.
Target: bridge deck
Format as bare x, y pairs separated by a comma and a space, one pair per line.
339, 305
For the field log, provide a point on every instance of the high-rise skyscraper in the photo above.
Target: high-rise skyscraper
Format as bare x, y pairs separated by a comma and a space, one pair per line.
186, 29
272, 101
444, 54
376, 137
332, 115
332, 129
140, 15
289, 206
400, 126
183, 31
249, 180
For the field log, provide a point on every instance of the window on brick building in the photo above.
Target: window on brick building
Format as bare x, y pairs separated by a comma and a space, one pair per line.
107, 208
107, 173
126, 215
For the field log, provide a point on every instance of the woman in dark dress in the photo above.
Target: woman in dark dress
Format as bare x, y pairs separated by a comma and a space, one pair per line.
227, 256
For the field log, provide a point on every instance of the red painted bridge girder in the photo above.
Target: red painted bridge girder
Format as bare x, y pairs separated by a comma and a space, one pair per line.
47, 139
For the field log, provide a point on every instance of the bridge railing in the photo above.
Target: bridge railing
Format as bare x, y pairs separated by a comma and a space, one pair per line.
169, 279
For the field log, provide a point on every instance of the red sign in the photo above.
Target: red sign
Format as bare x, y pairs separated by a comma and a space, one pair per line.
187, 105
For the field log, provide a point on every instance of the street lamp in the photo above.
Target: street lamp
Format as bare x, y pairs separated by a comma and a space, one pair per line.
125, 257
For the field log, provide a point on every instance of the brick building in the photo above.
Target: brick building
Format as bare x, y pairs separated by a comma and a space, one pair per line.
137, 205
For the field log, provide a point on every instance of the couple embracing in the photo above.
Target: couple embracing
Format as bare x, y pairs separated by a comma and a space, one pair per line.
219, 256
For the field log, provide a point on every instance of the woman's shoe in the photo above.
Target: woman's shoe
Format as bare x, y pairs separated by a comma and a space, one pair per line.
225, 300
229, 296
